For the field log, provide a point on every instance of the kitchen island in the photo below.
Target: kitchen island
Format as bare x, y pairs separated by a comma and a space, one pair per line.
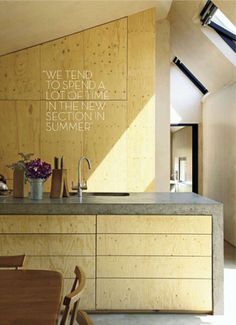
141, 252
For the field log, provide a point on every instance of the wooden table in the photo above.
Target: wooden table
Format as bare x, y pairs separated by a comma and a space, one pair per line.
29, 297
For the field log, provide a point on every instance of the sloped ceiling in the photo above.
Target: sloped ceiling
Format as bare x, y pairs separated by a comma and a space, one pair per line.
192, 46
27, 23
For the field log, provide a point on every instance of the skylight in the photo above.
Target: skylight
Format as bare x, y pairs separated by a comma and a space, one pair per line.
213, 17
220, 19
190, 76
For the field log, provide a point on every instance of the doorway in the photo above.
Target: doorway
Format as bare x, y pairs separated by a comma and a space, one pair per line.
184, 158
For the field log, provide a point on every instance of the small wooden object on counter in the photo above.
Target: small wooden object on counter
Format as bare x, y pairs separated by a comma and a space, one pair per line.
18, 183
59, 186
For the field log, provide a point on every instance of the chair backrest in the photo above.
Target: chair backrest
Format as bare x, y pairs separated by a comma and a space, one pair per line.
83, 318
12, 261
30, 297
71, 301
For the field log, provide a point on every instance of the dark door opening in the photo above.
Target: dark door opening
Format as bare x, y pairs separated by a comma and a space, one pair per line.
184, 158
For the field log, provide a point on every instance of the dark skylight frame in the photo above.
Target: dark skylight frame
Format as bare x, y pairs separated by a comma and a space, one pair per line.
190, 76
206, 16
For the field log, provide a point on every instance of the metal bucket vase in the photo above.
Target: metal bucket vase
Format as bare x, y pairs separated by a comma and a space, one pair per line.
36, 188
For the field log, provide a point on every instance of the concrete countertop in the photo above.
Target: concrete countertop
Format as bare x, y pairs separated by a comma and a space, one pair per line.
135, 203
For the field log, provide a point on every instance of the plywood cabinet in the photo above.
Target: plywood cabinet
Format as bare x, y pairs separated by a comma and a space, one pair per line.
55, 242
154, 263
154, 294
132, 262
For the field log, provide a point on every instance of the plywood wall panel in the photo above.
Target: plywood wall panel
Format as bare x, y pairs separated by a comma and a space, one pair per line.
8, 136
63, 54
141, 100
106, 146
19, 132
105, 55
121, 54
68, 144
20, 75
28, 126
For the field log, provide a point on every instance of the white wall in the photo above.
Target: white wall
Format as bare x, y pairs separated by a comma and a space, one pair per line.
163, 107
185, 98
219, 154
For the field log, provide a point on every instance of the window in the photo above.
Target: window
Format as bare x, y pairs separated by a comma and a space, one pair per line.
190, 76
213, 17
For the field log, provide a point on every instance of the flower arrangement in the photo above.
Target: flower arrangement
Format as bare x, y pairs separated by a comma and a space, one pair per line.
37, 169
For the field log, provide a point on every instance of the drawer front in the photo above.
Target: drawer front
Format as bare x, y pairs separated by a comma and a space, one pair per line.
154, 224
55, 224
49, 245
187, 245
154, 267
63, 264
150, 294
88, 299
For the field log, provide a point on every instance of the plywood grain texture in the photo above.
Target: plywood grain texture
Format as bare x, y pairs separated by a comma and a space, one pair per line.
8, 137
66, 53
153, 267
105, 55
151, 224
141, 100
108, 149
173, 245
20, 75
136, 270
47, 224
146, 294
55, 242
63, 264
49, 245
28, 126
68, 144
19, 132
121, 54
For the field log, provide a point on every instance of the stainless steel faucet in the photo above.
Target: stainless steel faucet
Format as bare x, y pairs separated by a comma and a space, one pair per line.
82, 184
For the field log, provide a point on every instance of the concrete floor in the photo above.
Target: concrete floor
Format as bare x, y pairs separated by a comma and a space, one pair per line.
230, 306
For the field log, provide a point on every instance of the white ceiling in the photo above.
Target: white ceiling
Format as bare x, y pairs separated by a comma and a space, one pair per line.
194, 48
27, 23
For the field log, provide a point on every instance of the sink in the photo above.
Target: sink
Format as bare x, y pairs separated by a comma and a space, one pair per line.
108, 193
103, 193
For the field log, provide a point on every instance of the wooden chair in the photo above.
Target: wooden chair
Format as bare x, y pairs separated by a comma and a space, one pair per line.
30, 297
83, 318
71, 301
12, 261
